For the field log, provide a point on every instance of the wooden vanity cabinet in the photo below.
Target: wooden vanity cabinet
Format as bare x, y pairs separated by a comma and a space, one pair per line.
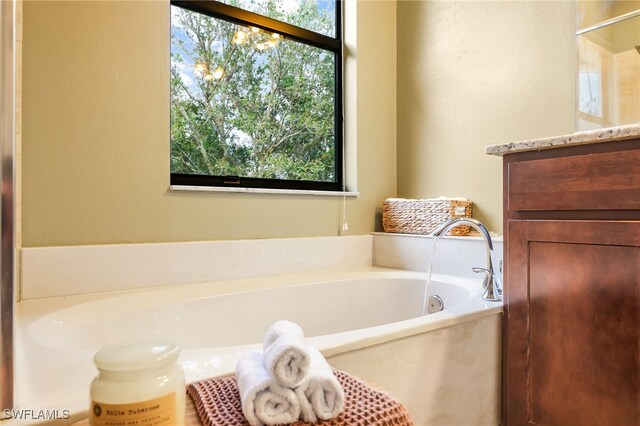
571, 353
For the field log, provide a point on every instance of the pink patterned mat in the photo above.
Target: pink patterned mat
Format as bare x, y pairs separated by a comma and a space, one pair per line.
217, 402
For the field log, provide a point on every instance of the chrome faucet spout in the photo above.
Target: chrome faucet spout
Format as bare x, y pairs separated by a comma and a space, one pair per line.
492, 282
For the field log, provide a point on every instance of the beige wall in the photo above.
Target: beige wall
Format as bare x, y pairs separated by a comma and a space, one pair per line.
472, 74
96, 134
96, 118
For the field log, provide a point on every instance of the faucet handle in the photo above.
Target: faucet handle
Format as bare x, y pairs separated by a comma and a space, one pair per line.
491, 291
477, 270
488, 275
492, 275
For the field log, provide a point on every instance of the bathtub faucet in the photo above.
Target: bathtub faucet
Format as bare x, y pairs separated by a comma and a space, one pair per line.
492, 282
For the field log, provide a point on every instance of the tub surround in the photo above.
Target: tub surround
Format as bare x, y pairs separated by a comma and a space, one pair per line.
49, 374
610, 134
452, 256
53, 373
64, 271
457, 392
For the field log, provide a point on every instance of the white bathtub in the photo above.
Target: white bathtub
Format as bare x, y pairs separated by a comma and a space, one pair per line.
444, 367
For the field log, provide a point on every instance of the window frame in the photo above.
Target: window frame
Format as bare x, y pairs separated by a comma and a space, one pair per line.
226, 12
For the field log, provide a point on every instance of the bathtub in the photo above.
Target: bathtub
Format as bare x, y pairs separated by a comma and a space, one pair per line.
369, 321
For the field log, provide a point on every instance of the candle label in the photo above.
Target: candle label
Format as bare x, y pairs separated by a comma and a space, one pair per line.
154, 412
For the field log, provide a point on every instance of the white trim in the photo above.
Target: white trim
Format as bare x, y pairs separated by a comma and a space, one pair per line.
262, 191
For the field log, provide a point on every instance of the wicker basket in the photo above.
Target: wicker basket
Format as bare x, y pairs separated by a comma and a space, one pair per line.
407, 216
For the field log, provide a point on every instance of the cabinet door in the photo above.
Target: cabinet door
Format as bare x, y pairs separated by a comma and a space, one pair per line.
572, 340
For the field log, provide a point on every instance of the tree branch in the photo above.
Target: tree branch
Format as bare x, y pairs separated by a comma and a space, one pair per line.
198, 136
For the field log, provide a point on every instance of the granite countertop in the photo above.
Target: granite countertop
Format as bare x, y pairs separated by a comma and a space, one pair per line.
608, 134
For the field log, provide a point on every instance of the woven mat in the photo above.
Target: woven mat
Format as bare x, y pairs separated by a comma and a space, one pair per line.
217, 402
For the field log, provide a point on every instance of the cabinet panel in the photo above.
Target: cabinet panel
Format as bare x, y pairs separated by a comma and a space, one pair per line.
572, 306
578, 314
602, 181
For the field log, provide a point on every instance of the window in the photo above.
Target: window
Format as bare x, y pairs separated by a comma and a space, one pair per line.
590, 95
256, 94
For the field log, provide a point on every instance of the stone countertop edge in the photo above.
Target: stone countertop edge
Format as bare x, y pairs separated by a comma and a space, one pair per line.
608, 134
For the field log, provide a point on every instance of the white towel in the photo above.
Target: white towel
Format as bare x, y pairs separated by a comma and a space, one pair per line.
285, 353
320, 394
264, 402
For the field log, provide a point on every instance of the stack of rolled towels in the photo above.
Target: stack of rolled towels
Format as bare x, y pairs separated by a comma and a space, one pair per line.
288, 381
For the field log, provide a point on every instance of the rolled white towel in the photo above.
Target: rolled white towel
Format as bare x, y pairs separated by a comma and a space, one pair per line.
264, 402
285, 353
320, 393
